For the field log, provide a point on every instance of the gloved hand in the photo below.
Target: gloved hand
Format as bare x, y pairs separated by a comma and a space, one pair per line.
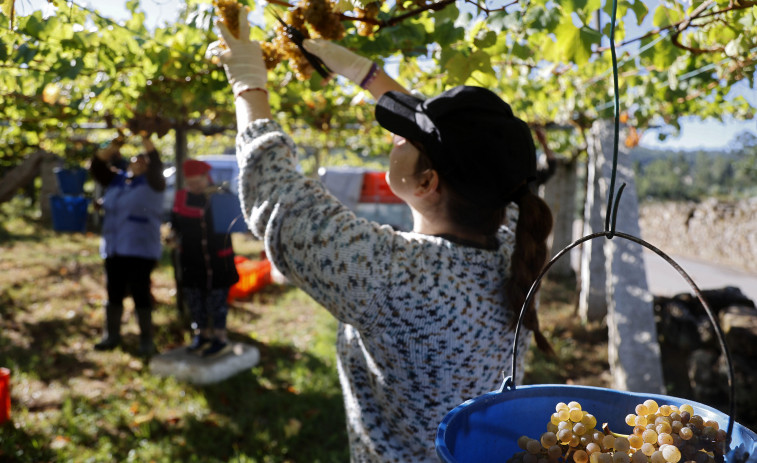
341, 60
242, 58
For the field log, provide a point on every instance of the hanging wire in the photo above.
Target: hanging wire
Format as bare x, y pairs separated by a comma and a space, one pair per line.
612, 212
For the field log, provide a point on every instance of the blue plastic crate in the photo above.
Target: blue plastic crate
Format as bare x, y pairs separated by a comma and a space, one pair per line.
69, 212
71, 181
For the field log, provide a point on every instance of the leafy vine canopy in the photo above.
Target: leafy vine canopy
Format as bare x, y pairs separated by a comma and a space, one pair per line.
68, 67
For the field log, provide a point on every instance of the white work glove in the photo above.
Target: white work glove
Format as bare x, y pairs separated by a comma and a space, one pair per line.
341, 60
242, 58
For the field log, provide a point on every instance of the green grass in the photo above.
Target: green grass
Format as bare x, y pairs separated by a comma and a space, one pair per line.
71, 403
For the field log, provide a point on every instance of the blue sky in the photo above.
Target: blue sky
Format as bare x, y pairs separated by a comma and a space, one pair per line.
695, 133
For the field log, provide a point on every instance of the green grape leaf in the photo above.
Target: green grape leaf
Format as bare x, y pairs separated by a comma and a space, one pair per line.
460, 67
448, 13
447, 33
409, 38
68, 69
662, 54
572, 43
499, 21
543, 19
748, 21
25, 53
593, 6
640, 10
737, 47
34, 25
521, 51
485, 39
664, 17
571, 6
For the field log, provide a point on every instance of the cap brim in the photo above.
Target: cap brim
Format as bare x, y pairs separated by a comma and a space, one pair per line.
396, 112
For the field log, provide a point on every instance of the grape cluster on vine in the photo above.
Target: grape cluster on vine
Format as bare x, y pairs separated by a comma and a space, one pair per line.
313, 18
661, 434
228, 10
366, 16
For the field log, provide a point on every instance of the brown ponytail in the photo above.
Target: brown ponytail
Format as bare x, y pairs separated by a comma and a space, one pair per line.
528, 259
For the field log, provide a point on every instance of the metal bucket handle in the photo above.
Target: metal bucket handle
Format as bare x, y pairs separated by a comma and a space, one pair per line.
509, 383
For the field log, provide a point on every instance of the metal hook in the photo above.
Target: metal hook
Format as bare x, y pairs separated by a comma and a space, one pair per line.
611, 231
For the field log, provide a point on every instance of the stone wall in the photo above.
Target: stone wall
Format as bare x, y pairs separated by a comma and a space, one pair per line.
694, 365
713, 231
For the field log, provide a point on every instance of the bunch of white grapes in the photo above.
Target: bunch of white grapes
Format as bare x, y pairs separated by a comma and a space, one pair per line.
668, 433
661, 434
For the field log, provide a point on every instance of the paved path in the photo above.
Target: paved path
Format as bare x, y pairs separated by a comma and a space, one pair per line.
664, 280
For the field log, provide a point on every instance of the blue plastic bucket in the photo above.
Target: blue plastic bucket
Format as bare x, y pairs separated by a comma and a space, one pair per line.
487, 428
71, 181
69, 212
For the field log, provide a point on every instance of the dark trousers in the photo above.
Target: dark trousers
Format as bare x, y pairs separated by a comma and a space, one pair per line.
204, 304
129, 274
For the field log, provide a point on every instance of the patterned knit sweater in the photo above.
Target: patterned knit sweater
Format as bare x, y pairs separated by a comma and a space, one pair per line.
424, 323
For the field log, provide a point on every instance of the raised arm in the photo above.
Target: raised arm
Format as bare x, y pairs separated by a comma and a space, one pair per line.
100, 165
358, 69
154, 172
243, 62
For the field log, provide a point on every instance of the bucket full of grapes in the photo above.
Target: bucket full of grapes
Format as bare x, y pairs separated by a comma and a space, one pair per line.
582, 424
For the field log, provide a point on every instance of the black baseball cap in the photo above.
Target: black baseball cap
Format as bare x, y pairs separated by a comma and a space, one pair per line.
472, 138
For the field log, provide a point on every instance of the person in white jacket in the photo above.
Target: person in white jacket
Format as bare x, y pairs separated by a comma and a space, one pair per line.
426, 317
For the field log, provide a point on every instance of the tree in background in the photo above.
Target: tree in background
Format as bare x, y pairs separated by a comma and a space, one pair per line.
696, 175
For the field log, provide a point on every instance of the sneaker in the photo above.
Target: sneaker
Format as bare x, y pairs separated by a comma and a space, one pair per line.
108, 343
216, 349
147, 349
198, 343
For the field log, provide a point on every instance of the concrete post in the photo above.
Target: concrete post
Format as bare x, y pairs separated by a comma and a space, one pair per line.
633, 350
592, 302
560, 195
49, 185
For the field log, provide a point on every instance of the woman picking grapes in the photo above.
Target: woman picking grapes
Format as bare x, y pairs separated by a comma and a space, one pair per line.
426, 317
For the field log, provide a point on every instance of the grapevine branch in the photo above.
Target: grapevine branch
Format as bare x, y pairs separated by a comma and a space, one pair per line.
432, 6
676, 40
390, 22
682, 25
676, 37
697, 94
491, 10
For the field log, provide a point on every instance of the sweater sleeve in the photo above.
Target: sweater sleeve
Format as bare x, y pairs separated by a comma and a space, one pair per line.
314, 240
154, 172
101, 171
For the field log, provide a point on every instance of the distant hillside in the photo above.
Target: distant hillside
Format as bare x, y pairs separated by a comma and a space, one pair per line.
699, 174
645, 156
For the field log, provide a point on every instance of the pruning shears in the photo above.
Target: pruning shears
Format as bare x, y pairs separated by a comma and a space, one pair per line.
297, 37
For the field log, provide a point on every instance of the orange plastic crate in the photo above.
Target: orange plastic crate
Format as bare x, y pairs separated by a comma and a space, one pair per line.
376, 190
253, 276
